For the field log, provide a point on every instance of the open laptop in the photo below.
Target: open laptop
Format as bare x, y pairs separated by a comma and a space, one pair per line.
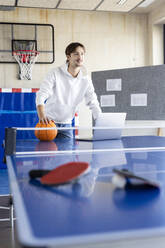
107, 121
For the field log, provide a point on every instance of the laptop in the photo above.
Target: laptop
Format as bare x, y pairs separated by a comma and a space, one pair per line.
109, 121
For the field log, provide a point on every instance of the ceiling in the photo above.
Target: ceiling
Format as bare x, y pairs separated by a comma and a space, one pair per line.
140, 6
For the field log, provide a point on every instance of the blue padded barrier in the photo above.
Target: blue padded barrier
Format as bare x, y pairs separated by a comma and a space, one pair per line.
4, 182
16, 110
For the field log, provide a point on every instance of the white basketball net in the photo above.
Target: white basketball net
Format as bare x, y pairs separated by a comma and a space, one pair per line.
26, 60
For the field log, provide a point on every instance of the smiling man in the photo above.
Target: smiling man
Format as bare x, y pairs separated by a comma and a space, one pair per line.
63, 89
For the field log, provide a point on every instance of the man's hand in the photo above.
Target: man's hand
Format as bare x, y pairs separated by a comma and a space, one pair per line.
41, 114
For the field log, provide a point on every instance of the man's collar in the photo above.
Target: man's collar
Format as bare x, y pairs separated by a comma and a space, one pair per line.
65, 69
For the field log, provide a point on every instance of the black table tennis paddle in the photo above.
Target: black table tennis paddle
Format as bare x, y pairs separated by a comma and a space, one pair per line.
64, 173
140, 181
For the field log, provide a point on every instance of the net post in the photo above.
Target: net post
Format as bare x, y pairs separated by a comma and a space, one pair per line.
10, 141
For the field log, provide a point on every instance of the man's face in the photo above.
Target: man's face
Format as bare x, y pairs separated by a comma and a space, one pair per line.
76, 58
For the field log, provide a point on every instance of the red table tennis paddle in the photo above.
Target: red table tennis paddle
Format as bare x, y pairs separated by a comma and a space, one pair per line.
64, 173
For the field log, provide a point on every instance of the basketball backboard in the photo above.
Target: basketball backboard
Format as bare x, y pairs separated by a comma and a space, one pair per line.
41, 34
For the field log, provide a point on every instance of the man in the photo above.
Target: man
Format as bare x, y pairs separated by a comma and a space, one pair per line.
63, 89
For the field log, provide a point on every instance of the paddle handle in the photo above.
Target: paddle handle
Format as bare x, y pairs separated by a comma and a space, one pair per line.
38, 173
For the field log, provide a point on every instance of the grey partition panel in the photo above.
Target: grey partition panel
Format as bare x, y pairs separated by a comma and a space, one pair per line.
148, 80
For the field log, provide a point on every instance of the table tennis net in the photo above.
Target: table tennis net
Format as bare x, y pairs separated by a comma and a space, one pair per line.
25, 142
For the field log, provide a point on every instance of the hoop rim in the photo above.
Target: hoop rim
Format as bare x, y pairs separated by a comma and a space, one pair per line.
18, 52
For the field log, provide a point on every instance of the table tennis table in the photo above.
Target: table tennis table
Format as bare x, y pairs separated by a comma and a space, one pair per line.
91, 212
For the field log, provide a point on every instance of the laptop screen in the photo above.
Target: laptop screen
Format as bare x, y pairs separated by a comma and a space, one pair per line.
111, 124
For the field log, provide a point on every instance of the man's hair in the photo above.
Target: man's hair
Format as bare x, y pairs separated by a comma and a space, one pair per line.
72, 47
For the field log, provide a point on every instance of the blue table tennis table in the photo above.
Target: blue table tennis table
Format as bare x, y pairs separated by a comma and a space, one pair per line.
92, 211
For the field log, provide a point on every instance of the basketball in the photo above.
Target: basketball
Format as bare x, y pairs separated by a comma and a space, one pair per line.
46, 135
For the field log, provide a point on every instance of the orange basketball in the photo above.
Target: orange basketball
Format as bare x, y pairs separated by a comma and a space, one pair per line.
46, 135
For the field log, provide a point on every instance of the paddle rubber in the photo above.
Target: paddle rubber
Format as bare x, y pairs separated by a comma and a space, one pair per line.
62, 174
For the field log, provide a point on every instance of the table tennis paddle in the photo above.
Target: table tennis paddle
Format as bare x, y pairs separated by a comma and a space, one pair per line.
124, 173
64, 173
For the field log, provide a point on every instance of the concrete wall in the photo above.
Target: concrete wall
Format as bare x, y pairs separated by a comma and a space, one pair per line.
112, 41
156, 19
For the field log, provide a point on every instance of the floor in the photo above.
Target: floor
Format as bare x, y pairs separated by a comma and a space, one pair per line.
8, 236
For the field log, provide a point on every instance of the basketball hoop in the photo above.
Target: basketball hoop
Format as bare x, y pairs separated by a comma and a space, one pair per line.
26, 59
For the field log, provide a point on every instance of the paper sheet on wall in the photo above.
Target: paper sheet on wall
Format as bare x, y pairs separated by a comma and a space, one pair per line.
114, 84
107, 101
138, 99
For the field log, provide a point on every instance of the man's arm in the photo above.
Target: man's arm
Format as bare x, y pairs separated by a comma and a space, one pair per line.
92, 101
46, 90
41, 114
